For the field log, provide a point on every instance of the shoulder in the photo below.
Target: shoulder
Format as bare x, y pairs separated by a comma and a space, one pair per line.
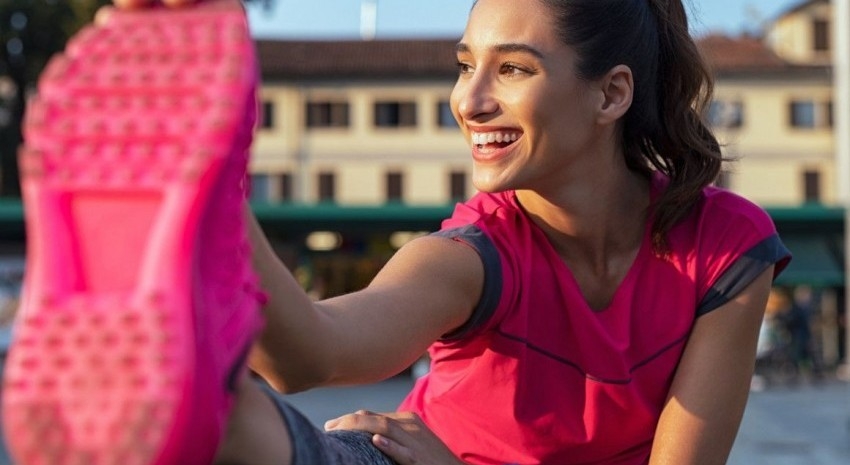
717, 209
732, 241
721, 218
483, 209
721, 206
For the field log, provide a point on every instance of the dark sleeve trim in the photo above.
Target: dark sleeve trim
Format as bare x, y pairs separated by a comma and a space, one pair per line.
743, 271
491, 294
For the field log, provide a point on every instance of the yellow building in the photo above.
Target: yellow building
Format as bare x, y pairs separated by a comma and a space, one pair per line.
359, 123
773, 108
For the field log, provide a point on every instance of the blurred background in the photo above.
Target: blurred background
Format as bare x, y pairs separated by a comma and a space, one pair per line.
357, 153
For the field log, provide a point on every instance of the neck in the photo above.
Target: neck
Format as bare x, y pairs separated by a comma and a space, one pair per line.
595, 220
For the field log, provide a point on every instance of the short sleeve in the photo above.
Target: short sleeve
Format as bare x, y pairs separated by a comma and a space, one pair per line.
475, 238
737, 242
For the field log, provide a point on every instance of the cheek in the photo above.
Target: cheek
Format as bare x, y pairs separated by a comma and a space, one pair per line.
454, 102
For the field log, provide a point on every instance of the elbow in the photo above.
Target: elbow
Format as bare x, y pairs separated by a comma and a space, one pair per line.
287, 376
291, 384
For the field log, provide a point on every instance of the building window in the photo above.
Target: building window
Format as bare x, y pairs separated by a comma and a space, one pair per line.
809, 114
803, 114
457, 184
327, 114
821, 35
395, 187
287, 189
268, 115
260, 187
327, 187
395, 114
811, 186
726, 114
445, 118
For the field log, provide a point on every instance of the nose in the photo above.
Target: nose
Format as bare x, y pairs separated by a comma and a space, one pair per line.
473, 97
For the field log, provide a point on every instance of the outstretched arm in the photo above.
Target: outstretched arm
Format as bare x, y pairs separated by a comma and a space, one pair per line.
710, 389
427, 289
141, 3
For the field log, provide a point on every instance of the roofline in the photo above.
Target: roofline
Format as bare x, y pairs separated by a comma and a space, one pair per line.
799, 7
775, 74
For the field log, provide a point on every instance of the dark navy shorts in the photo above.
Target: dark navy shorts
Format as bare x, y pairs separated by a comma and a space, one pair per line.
312, 446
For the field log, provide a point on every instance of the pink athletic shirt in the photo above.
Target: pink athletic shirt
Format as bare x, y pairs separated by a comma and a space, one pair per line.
537, 377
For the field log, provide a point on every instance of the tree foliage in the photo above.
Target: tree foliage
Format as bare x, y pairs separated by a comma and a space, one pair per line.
31, 31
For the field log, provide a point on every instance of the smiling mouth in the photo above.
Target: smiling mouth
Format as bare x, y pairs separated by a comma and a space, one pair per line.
493, 140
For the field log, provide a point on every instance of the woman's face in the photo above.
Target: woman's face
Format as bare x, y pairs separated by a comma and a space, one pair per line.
519, 102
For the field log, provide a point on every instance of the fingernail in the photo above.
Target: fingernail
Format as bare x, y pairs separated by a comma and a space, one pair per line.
382, 441
331, 423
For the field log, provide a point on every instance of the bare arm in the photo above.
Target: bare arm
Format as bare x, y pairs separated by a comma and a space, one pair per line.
427, 289
143, 3
709, 393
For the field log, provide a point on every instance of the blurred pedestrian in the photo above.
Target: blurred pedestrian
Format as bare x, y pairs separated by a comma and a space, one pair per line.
798, 322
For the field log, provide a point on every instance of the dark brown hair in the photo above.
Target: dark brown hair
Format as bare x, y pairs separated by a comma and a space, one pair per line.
664, 129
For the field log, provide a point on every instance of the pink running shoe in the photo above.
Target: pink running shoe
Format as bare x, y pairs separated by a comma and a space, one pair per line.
140, 304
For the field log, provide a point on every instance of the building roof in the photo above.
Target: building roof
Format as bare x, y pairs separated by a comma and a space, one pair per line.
352, 59
293, 60
750, 56
800, 7
725, 52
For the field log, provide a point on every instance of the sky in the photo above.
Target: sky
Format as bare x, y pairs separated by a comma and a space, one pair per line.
334, 19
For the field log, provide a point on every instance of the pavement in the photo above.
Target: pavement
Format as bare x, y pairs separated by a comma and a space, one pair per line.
804, 424
807, 424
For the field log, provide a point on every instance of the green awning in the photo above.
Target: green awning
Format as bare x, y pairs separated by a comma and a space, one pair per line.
818, 261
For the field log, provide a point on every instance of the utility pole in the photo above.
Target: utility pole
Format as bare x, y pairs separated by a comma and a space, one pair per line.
368, 19
841, 89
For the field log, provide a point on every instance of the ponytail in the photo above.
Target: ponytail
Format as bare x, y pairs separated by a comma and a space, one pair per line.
683, 148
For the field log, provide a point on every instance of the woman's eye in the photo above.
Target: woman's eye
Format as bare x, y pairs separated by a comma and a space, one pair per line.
463, 68
512, 69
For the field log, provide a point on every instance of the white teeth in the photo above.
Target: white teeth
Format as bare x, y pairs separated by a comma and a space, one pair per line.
491, 137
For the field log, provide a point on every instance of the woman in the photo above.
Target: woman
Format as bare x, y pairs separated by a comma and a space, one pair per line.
597, 302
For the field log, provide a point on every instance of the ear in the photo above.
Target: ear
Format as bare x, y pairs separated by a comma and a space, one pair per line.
617, 90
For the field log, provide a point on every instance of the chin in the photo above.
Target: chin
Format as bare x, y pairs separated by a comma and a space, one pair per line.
489, 187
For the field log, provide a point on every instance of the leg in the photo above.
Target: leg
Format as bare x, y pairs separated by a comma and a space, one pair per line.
256, 433
265, 430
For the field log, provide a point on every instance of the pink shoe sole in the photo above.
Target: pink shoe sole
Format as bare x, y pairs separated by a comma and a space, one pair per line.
139, 303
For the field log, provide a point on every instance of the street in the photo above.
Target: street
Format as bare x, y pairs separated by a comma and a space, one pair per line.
803, 425
808, 424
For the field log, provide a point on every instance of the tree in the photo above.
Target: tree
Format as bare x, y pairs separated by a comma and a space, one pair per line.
31, 31
37, 30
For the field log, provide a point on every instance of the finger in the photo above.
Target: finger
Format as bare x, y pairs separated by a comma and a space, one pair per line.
177, 3
361, 420
400, 454
132, 3
405, 417
103, 14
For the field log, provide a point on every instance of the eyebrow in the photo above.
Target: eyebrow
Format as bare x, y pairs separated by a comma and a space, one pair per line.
505, 48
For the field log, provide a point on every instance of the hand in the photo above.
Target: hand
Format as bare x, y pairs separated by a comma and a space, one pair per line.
104, 13
404, 437
143, 3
